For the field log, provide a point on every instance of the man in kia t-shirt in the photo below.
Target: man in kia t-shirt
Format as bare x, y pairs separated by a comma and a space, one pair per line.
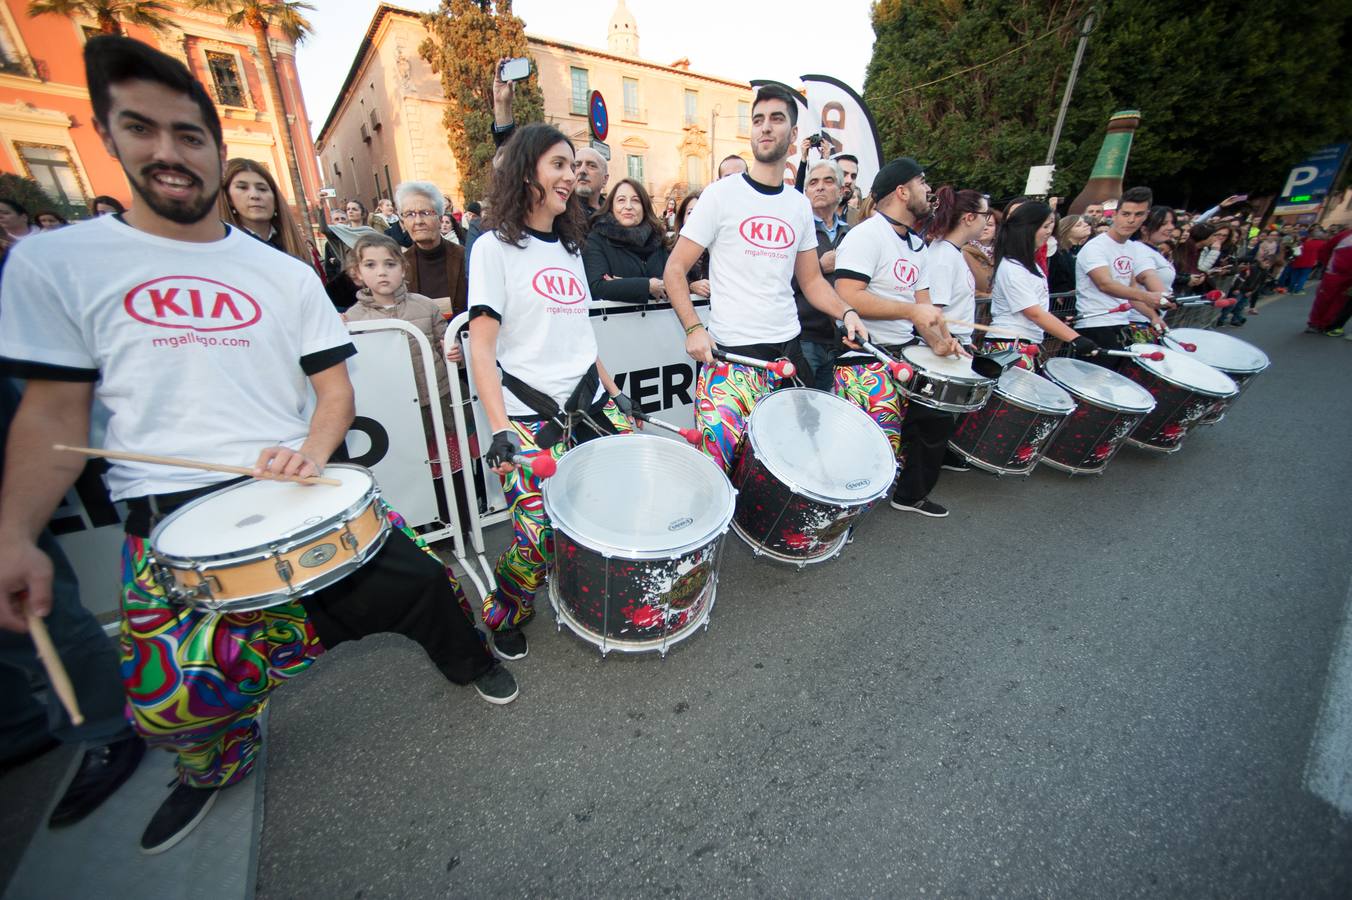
203, 344
1106, 271
760, 236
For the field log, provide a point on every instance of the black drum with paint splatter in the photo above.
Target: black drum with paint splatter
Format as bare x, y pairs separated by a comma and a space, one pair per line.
1107, 407
1008, 434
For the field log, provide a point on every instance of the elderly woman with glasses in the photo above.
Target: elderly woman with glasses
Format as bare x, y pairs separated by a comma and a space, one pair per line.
436, 266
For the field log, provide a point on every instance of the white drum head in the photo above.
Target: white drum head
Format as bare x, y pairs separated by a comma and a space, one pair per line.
925, 359
253, 514
638, 496
1100, 386
1221, 351
1179, 367
1033, 390
824, 447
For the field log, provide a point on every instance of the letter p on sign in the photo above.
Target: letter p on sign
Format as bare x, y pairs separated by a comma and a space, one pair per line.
1300, 175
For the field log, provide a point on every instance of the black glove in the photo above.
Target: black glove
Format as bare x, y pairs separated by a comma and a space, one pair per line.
505, 445
623, 404
1083, 348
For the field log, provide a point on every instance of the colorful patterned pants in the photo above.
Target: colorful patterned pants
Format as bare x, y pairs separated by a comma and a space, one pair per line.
521, 568
724, 396
196, 682
870, 388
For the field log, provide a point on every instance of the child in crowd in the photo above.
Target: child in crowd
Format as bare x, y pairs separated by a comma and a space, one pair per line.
377, 264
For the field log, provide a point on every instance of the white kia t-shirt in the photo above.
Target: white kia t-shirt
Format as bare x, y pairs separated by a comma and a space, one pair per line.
197, 350
754, 234
1015, 289
1092, 304
539, 294
1147, 258
892, 267
952, 285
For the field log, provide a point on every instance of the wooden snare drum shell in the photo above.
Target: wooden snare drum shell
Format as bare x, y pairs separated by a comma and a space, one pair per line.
255, 582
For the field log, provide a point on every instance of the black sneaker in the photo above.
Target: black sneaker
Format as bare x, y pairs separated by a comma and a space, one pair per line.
101, 772
177, 817
497, 686
510, 643
926, 507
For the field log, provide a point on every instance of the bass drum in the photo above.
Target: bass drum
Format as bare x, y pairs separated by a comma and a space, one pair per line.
1185, 391
638, 526
809, 465
1108, 407
1242, 361
1008, 435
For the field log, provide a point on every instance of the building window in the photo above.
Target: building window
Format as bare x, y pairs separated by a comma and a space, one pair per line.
694, 172
11, 60
635, 168
581, 91
225, 75
691, 107
631, 98
743, 118
50, 166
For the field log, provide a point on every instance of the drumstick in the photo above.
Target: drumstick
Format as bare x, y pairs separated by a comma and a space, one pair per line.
188, 464
541, 464
56, 672
897, 369
781, 367
690, 434
1154, 355
989, 329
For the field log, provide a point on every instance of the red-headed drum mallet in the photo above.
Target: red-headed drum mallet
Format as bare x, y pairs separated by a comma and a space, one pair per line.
691, 435
541, 464
1154, 355
781, 367
899, 370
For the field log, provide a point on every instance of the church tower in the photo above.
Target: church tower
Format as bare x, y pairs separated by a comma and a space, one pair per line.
623, 34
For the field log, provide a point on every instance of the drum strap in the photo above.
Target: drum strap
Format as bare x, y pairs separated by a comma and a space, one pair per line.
583, 408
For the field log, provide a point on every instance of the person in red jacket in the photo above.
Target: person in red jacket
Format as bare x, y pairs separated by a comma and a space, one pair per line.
1299, 269
1331, 308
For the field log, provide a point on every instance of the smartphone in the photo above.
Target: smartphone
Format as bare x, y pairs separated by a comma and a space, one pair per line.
515, 69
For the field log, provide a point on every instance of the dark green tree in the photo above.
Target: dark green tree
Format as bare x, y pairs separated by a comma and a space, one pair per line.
1230, 95
465, 40
30, 194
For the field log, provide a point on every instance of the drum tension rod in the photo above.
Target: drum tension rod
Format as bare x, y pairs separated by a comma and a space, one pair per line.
284, 569
348, 539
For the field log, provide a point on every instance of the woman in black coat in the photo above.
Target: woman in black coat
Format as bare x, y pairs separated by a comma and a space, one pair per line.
626, 248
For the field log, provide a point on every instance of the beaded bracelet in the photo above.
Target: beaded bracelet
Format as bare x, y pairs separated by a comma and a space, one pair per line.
691, 329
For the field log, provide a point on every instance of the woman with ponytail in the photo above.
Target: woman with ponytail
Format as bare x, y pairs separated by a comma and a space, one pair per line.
959, 217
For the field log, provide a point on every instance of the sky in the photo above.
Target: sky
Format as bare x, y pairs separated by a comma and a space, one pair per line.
734, 40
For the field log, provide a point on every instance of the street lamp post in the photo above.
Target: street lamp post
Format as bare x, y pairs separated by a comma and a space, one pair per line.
1087, 25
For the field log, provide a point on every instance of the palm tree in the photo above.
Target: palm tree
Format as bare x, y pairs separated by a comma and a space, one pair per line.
288, 17
110, 14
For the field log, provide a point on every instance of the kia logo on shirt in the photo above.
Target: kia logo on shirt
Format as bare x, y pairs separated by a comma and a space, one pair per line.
1122, 265
905, 272
768, 232
192, 303
559, 285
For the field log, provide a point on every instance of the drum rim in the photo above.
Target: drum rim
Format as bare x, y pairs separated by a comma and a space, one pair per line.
1094, 401
1171, 339
793, 485
614, 550
1148, 366
282, 544
920, 368
1030, 405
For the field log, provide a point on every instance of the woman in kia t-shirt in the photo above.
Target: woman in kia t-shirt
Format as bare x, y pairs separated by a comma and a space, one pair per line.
1019, 304
534, 357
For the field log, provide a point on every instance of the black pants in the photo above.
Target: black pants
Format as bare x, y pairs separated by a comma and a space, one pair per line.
1110, 337
924, 439
404, 591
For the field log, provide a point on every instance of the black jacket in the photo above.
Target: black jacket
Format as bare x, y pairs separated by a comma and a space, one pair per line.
1061, 271
630, 256
817, 326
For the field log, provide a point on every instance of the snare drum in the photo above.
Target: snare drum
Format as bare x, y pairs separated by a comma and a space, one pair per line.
1185, 390
944, 382
1108, 406
809, 465
638, 530
1007, 436
1240, 360
263, 543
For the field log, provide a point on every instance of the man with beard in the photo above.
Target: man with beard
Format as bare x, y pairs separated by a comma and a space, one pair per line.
760, 237
881, 270
206, 344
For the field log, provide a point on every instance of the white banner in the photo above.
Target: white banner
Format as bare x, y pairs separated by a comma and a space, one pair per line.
837, 112
644, 348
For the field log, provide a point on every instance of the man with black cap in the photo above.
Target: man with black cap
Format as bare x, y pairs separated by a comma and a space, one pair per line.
881, 271
759, 236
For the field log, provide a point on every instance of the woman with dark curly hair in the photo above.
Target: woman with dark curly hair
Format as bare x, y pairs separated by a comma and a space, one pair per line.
534, 357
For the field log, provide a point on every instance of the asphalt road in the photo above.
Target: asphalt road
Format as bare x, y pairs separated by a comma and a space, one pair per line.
1070, 687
